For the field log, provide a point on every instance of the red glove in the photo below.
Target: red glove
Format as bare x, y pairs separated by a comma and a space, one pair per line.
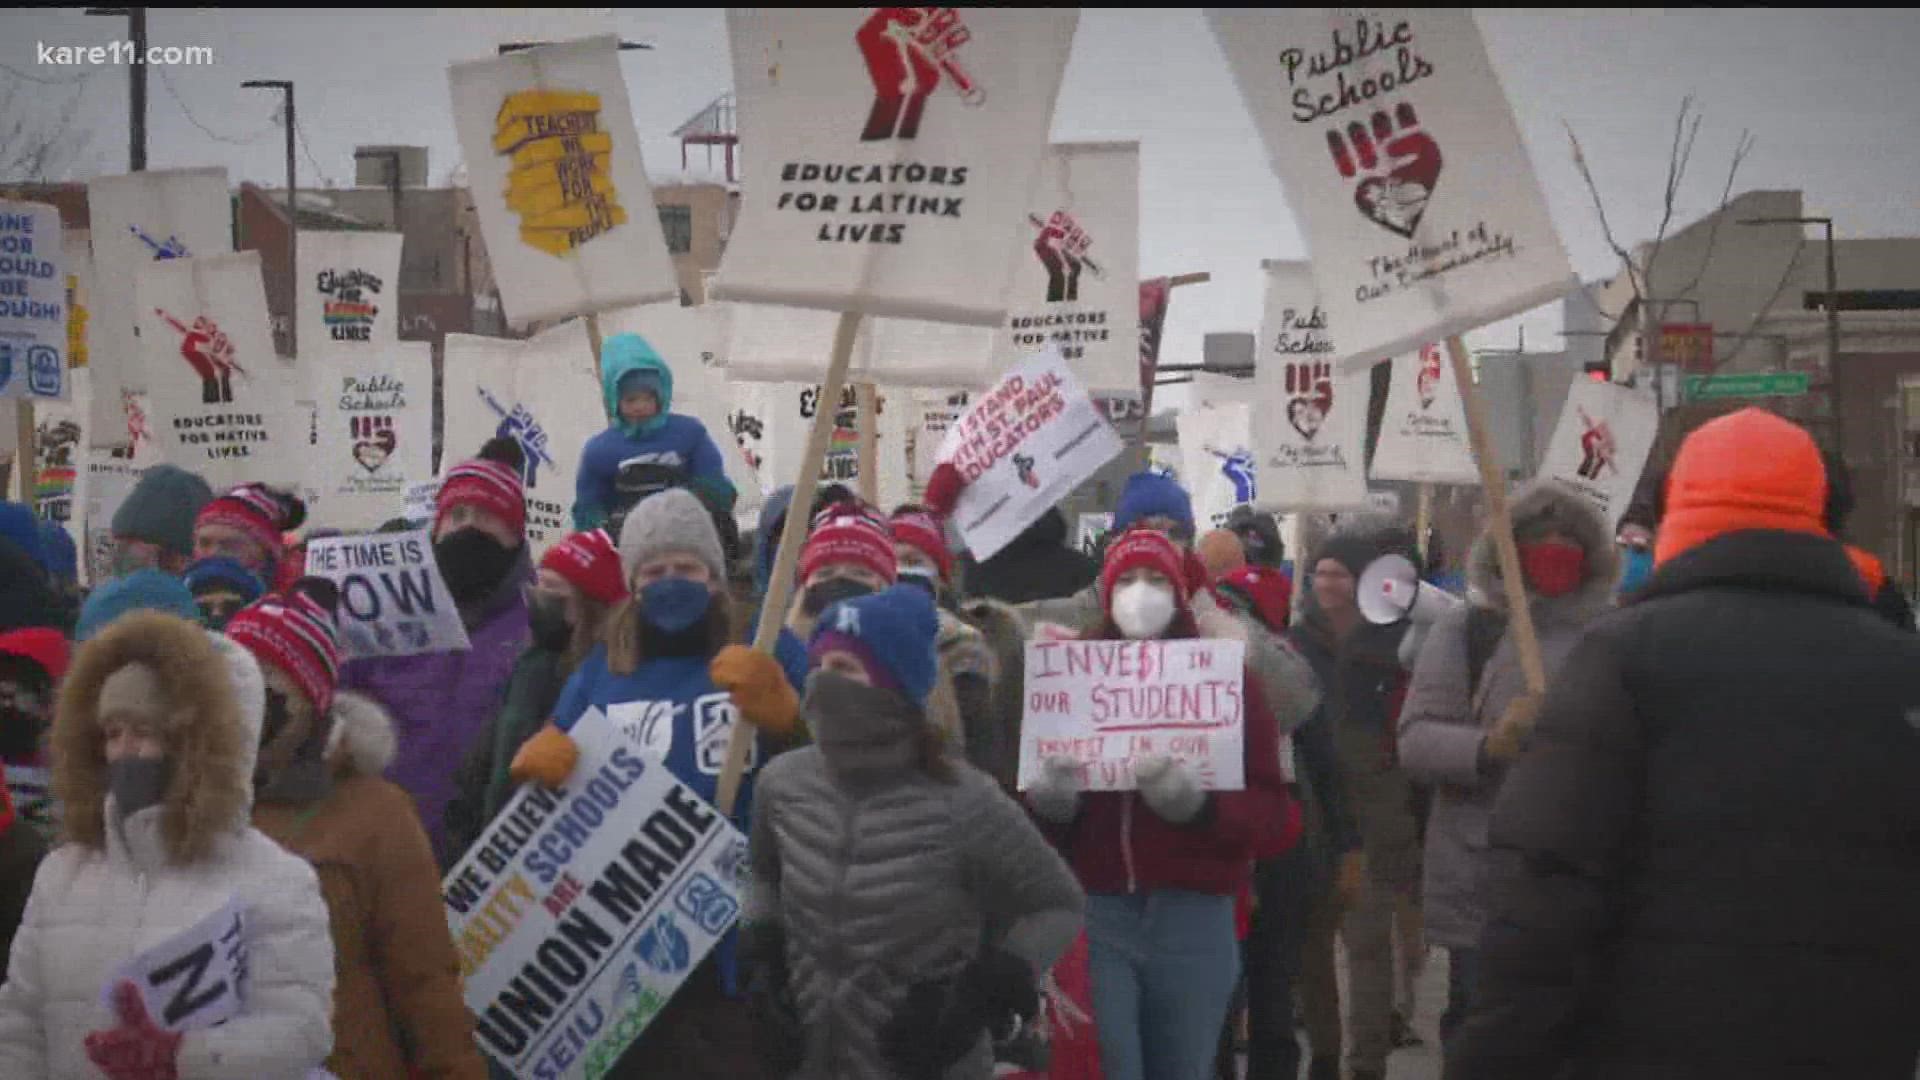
943, 489
138, 1049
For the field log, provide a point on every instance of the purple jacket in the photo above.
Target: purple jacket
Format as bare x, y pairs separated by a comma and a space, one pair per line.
442, 702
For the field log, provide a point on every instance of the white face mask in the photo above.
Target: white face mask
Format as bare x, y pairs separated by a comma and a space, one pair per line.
1142, 609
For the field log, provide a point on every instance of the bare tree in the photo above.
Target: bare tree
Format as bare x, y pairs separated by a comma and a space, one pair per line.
40, 141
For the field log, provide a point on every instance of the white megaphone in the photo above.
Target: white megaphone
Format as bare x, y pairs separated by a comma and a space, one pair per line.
1390, 591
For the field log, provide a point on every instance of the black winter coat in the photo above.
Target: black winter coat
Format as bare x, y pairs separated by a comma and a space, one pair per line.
1709, 853
1037, 565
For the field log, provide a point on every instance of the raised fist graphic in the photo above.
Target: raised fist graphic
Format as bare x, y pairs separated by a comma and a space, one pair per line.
207, 350
906, 50
1596, 447
1410, 160
373, 440
1309, 397
1238, 468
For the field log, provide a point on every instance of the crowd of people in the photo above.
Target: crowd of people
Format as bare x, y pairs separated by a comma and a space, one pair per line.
1695, 855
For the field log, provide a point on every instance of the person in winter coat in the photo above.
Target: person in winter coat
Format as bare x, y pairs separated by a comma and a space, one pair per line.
967, 667
1707, 860
397, 1007
1259, 536
1362, 684
441, 703
578, 587
248, 525
154, 747
153, 528
27, 595
1163, 864
21, 848
32, 664
902, 907
644, 430
1882, 590
668, 674
1036, 565
221, 587
1220, 552
1468, 703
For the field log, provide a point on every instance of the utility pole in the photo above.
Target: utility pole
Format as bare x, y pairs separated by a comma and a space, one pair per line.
136, 82
293, 221
1833, 320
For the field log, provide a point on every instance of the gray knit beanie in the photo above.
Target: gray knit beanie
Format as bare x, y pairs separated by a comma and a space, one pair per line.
673, 520
162, 507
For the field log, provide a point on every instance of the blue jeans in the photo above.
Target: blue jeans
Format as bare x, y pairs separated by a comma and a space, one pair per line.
1163, 966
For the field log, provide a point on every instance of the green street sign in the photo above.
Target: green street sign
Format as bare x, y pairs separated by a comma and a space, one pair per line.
1756, 384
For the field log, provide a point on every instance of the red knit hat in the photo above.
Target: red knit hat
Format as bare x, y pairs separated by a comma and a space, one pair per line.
294, 632
257, 510
850, 533
45, 647
919, 531
590, 563
1266, 589
490, 482
1144, 548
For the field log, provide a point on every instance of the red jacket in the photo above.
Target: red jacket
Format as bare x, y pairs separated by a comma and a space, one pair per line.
1119, 845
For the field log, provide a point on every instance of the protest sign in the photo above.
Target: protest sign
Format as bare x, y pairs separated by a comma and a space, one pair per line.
894, 153
33, 302
1024, 446
195, 979
932, 414
1107, 704
554, 164
135, 220
581, 909
223, 401
766, 343
418, 503
1075, 266
1601, 444
348, 299
79, 253
1154, 294
1217, 452
1090, 532
58, 452
1311, 456
769, 423
1423, 430
393, 601
1401, 160
375, 431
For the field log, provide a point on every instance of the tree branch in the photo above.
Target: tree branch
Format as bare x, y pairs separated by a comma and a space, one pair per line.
1740, 152
1599, 208
1793, 263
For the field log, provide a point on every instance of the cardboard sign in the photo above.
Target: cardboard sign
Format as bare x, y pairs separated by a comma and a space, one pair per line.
1423, 431
1023, 447
1601, 444
1312, 434
1090, 532
418, 502
59, 453
1106, 704
767, 343
374, 431
1403, 166
581, 909
1220, 465
393, 601
769, 423
196, 979
33, 302
348, 299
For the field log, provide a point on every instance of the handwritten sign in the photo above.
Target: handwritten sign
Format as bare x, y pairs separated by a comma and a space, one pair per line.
393, 601
195, 979
582, 909
1107, 704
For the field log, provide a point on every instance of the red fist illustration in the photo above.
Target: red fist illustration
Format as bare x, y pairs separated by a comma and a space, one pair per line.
906, 50
1310, 397
1396, 200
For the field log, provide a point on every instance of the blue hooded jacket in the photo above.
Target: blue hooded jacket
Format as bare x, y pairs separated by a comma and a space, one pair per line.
667, 439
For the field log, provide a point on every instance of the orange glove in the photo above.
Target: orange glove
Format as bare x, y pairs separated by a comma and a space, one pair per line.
548, 757
759, 687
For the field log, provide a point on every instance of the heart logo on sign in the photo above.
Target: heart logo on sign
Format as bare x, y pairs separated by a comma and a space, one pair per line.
1396, 147
374, 441
1310, 390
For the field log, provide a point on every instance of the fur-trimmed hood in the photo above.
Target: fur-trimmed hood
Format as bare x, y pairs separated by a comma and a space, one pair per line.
216, 695
361, 741
1535, 508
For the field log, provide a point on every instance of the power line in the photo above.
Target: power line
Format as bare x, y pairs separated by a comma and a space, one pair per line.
69, 81
166, 82
319, 174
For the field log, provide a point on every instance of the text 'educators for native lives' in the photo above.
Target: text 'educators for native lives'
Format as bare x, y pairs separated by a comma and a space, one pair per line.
1403, 166
895, 150
582, 909
1106, 704
562, 192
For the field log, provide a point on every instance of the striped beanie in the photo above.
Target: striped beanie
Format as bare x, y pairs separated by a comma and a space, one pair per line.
589, 563
294, 631
921, 531
257, 510
490, 482
850, 533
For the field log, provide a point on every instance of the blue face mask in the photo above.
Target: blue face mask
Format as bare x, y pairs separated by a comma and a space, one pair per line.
1638, 568
674, 605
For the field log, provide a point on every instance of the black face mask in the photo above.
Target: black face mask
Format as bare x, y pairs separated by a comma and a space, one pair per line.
547, 616
20, 732
819, 597
473, 563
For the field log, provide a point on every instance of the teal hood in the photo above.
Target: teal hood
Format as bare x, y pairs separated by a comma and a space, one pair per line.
624, 353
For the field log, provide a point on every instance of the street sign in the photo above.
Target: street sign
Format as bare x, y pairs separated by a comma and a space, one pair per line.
1757, 384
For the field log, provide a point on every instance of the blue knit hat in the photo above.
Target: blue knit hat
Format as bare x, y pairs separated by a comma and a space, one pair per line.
22, 529
162, 507
142, 590
220, 571
63, 560
1152, 494
894, 628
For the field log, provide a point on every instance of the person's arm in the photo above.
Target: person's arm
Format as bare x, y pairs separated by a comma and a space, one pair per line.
760, 907
23, 1023
413, 953
1559, 831
1261, 819
707, 471
1439, 735
592, 486
973, 695
1023, 883
1319, 758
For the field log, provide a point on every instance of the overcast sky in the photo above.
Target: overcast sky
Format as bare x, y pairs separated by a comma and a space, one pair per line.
1830, 96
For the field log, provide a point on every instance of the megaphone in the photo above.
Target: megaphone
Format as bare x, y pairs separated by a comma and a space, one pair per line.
1390, 591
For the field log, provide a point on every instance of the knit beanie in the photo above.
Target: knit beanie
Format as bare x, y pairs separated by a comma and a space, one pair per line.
1152, 494
1220, 552
44, 646
1144, 549
1355, 553
1263, 591
162, 507
919, 531
1749, 470
19, 527
589, 563
672, 520
892, 632
62, 558
151, 590
490, 482
217, 572
294, 631
850, 533
260, 512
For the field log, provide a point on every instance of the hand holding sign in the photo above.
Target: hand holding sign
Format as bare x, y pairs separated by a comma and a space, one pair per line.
138, 1049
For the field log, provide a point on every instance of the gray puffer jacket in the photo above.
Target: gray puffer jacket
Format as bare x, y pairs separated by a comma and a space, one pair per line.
1442, 725
887, 880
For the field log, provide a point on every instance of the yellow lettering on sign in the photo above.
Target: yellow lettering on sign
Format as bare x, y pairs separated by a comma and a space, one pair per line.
560, 182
